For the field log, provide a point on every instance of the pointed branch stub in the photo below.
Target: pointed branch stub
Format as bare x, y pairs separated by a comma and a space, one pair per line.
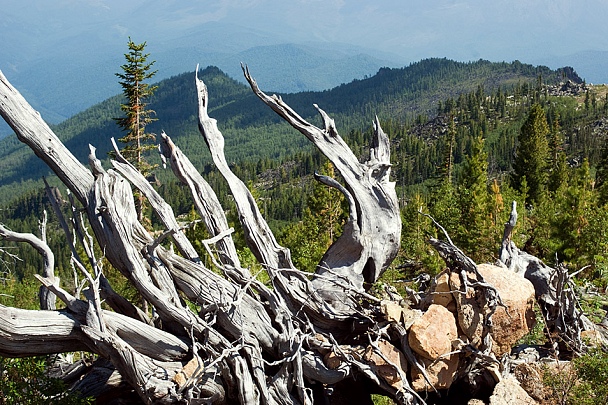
369, 243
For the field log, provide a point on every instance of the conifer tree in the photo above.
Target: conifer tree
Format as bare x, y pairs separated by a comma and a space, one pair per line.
532, 155
475, 225
416, 254
558, 166
137, 116
444, 205
448, 160
321, 224
578, 205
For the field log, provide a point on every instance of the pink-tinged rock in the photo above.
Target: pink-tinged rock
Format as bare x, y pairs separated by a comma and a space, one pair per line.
393, 373
441, 373
516, 293
396, 313
509, 392
441, 294
432, 334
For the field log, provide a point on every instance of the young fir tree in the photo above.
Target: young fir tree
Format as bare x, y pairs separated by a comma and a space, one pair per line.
444, 205
602, 176
578, 205
531, 160
475, 226
416, 254
321, 224
558, 165
136, 91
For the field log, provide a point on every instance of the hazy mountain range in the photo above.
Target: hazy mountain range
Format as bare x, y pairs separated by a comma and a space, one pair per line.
252, 130
63, 55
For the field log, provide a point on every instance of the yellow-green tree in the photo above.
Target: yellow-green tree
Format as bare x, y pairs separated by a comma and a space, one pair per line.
531, 160
474, 234
137, 115
321, 224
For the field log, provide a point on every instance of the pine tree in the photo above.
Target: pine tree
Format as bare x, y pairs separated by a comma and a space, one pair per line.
328, 206
447, 170
136, 70
558, 166
532, 155
444, 205
578, 204
475, 225
322, 223
416, 254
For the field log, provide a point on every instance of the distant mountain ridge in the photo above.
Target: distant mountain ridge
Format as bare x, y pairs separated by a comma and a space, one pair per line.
284, 67
254, 132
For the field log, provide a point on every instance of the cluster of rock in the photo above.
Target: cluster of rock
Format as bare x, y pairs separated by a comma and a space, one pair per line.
433, 129
446, 329
454, 319
569, 88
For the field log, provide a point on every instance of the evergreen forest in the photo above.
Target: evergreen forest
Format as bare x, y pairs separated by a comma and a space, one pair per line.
467, 139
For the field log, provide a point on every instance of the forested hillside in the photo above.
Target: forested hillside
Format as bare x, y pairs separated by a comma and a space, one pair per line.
454, 131
253, 133
466, 140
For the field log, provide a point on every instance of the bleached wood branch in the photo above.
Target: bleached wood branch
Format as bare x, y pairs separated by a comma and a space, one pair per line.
162, 209
232, 338
31, 129
554, 290
370, 240
47, 299
205, 199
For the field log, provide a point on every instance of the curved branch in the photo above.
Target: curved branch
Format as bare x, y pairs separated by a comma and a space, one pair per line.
553, 289
291, 285
205, 199
366, 248
34, 132
162, 209
47, 299
259, 237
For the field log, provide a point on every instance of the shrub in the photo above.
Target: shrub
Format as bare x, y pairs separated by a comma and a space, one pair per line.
25, 381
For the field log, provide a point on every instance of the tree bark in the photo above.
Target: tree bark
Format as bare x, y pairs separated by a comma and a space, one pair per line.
555, 294
218, 338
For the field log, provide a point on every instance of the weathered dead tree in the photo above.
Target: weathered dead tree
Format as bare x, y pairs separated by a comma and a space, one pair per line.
219, 335
246, 342
555, 294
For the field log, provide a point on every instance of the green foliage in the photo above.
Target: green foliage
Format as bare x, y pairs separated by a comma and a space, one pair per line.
254, 132
25, 381
592, 371
560, 381
320, 226
19, 294
474, 232
453, 164
537, 335
416, 255
532, 156
382, 400
137, 116
582, 382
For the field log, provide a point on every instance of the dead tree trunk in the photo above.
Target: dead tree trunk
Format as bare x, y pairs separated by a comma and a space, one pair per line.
555, 294
246, 342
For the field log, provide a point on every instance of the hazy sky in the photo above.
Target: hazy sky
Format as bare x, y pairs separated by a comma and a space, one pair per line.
74, 47
463, 30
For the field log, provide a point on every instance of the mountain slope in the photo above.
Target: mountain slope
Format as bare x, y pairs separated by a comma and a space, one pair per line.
253, 131
286, 67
